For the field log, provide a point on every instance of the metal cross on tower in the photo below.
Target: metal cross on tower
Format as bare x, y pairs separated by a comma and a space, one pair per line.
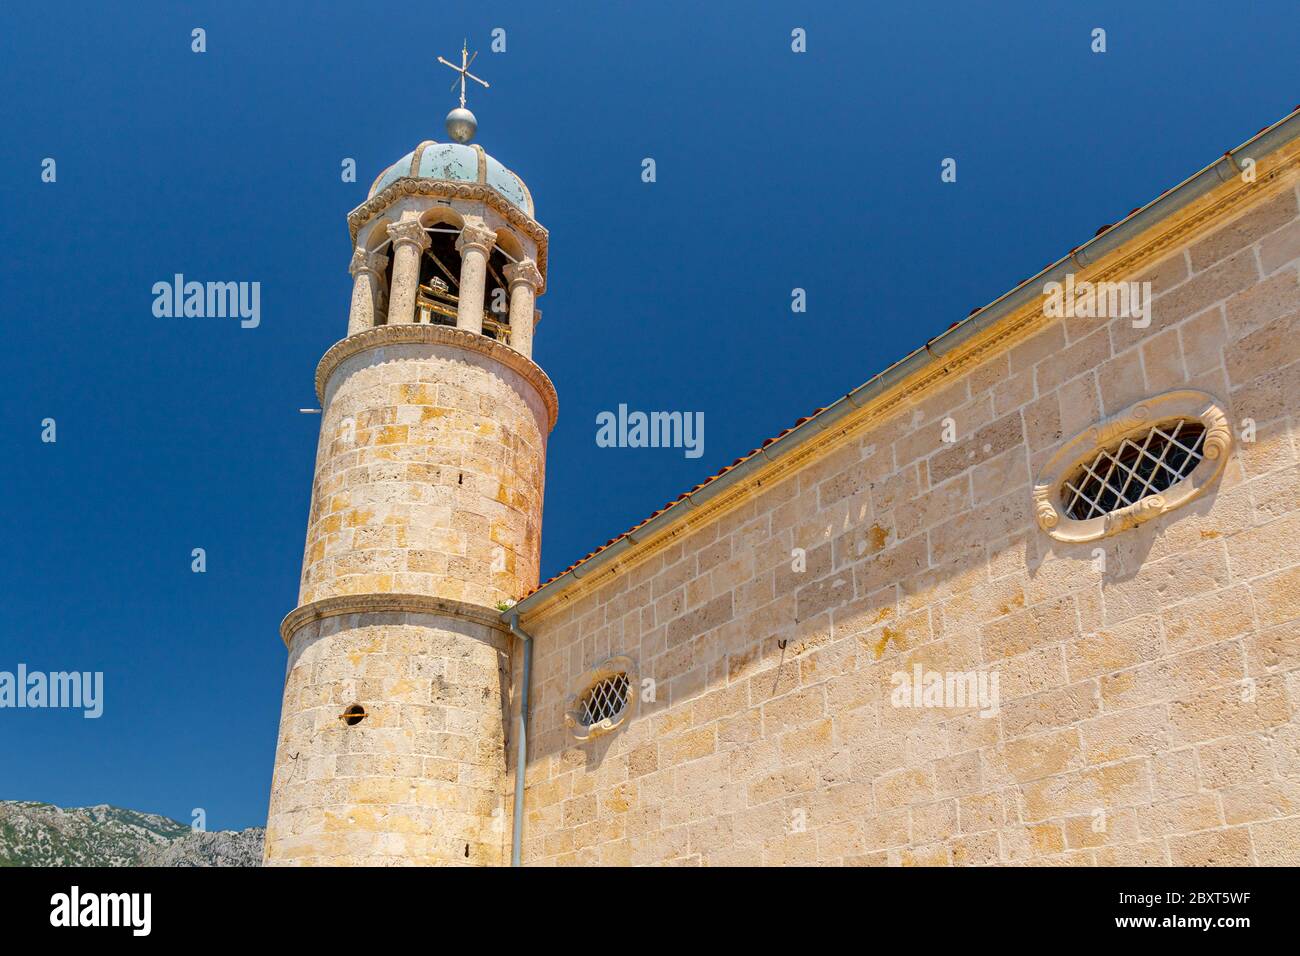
465, 60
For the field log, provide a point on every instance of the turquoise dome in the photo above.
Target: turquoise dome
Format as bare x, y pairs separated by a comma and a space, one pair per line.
455, 162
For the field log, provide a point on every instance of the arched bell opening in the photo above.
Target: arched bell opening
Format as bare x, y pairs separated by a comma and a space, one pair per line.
439, 290
377, 242
496, 300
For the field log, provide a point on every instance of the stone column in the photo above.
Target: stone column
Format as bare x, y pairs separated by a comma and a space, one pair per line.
524, 279
409, 242
367, 282
474, 244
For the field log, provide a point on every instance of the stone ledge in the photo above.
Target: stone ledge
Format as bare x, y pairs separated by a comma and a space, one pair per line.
381, 335
387, 603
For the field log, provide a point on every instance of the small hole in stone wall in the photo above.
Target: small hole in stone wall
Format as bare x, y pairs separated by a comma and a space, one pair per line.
467, 851
460, 479
353, 715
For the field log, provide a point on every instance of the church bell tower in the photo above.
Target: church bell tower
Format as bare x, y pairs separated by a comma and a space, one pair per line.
425, 521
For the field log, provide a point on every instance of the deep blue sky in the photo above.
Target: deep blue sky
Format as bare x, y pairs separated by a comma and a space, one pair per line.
775, 170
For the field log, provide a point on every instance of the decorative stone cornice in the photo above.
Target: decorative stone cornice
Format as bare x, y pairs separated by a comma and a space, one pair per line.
409, 230
362, 261
524, 271
445, 189
380, 336
387, 603
475, 234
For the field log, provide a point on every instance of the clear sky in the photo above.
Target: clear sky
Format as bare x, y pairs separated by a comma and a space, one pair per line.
775, 170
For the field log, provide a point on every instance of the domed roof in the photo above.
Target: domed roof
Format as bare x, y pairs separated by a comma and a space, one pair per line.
457, 163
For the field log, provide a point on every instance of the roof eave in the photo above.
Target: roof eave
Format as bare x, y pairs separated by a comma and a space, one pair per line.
1224, 169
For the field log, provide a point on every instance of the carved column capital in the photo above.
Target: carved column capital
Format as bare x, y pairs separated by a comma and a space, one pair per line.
476, 235
524, 271
373, 262
408, 231
367, 289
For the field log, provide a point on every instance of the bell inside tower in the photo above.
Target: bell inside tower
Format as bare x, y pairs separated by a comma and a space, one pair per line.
438, 297
439, 289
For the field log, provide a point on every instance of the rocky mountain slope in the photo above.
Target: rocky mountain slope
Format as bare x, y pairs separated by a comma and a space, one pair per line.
40, 834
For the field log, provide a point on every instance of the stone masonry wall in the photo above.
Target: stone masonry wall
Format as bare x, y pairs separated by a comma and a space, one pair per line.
418, 781
1149, 713
429, 478
428, 486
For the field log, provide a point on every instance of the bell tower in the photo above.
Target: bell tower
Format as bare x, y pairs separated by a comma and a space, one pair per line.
425, 519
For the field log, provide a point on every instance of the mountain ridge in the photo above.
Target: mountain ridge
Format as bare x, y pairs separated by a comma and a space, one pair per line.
33, 833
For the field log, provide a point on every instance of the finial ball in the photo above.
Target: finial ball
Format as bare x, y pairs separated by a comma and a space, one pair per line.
461, 125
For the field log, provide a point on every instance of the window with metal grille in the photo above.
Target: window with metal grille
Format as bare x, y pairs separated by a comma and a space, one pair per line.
1138, 466
605, 701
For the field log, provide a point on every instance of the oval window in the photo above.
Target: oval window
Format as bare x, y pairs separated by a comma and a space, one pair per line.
1145, 464
602, 700
1148, 459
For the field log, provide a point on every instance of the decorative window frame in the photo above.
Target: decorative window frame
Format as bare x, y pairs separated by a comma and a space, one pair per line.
1139, 417
573, 704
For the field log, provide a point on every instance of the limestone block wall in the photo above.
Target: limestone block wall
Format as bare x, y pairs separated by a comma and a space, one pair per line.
418, 781
429, 472
1149, 707
426, 511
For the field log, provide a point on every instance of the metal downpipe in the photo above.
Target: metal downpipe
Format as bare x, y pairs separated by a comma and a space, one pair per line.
521, 746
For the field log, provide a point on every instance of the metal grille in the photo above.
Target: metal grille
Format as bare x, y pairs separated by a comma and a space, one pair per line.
1120, 476
604, 701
